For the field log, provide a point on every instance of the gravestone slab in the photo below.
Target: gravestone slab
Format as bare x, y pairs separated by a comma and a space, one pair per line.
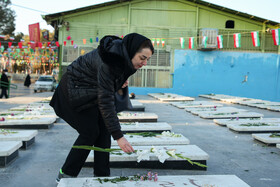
218, 110
37, 114
137, 117
156, 94
225, 122
274, 108
29, 123
278, 146
26, 136
163, 181
137, 106
8, 151
136, 140
130, 160
231, 115
196, 104
265, 138
176, 98
250, 129
144, 127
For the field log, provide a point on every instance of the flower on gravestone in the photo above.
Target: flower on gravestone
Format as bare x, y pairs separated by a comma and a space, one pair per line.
162, 155
69, 37
215, 106
172, 153
237, 118
2, 119
155, 177
143, 155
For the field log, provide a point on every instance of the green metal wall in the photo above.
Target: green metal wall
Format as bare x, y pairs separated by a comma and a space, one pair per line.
157, 19
168, 19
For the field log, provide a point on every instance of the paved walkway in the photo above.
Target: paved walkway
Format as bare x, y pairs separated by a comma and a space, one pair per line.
230, 152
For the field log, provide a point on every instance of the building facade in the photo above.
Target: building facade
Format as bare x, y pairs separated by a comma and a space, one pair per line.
176, 67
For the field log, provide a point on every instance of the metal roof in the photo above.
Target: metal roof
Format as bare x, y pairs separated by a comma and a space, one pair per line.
49, 17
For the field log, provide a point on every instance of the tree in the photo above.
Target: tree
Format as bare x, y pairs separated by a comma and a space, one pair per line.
7, 18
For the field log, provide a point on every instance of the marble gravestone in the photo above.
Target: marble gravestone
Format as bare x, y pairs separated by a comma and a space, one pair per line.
137, 106
231, 115
163, 181
250, 129
137, 117
27, 122
225, 122
192, 152
26, 136
8, 151
266, 138
137, 140
144, 127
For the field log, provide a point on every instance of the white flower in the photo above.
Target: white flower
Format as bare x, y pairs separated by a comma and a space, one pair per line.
162, 155
170, 134
153, 149
172, 153
143, 155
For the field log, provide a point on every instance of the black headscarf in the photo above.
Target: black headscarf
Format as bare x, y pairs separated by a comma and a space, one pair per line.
132, 42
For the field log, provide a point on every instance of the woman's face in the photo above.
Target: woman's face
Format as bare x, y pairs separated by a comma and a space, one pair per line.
140, 59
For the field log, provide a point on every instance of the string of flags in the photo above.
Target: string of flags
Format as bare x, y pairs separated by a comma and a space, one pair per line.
236, 37
158, 41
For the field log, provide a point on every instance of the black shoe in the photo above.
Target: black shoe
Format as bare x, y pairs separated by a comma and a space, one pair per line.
62, 175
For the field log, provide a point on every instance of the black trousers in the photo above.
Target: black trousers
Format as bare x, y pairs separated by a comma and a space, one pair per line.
92, 132
4, 93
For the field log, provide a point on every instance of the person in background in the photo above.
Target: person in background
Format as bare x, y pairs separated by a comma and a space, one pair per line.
4, 84
85, 98
27, 81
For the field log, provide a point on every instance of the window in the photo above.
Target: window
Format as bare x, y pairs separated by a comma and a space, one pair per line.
156, 74
229, 24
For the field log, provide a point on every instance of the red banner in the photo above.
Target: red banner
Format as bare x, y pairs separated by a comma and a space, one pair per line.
34, 34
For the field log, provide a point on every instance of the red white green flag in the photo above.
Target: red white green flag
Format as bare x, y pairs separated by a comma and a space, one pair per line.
182, 42
153, 41
220, 41
237, 40
276, 36
204, 41
158, 41
255, 38
162, 42
191, 42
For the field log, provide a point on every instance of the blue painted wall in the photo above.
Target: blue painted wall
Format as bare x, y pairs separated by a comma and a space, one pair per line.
254, 75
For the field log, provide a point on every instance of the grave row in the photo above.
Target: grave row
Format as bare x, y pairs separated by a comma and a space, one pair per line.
262, 104
31, 116
267, 128
169, 97
239, 120
180, 144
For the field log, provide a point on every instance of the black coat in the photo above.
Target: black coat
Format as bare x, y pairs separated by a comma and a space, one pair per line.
93, 79
5, 79
27, 81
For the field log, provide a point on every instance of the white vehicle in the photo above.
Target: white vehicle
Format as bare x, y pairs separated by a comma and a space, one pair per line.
45, 83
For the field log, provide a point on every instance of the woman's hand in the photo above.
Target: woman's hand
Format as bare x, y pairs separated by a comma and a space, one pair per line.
125, 84
125, 145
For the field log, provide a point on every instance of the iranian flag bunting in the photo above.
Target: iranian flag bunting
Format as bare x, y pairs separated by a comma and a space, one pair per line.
158, 41
276, 36
162, 42
204, 41
182, 42
220, 41
255, 38
191, 42
237, 40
